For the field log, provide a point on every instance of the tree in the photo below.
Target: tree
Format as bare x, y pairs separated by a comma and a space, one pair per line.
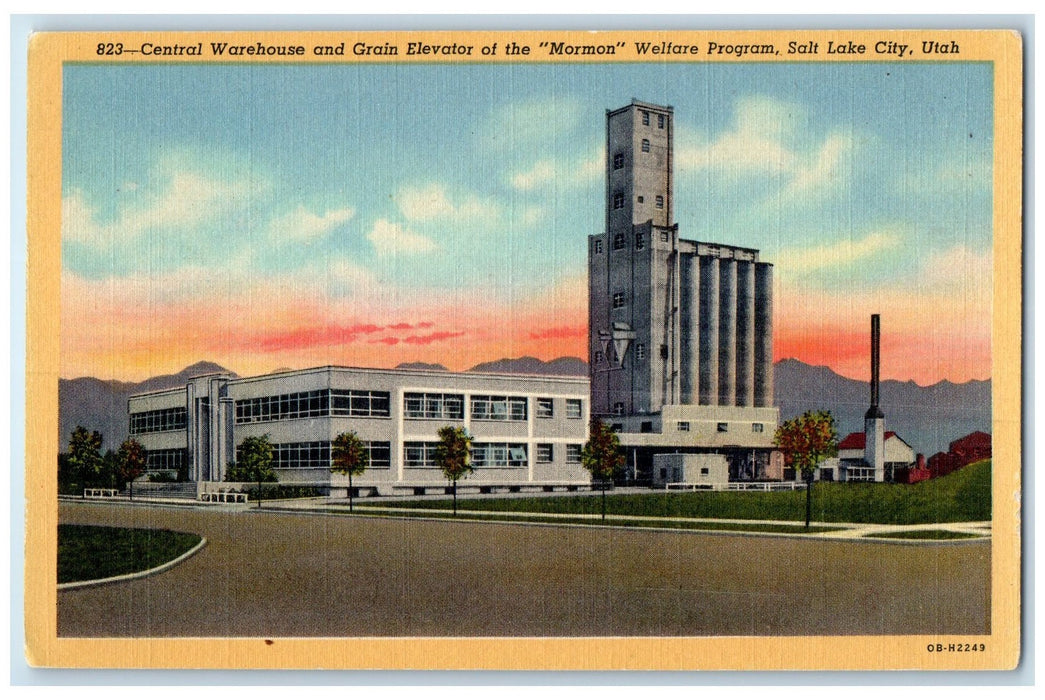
85, 457
349, 457
254, 462
602, 456
806, 441
453, 454
131, 461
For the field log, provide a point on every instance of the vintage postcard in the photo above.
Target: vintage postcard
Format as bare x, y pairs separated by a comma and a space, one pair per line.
524, 350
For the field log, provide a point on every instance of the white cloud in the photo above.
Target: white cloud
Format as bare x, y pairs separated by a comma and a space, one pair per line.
303, 226
391, 238
763, 140
432, 203
187, 199
561, 173
78, 222
541, 172
838, 254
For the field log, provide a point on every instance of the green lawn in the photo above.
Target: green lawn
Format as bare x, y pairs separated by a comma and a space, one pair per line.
86, 552
962, 496
615, 522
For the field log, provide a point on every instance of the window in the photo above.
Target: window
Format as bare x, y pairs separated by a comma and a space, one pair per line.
618, 201
660, 201
433, 405
617, 427
722, 427
171, 460
499, 408
573, 454
645, 145
703, 471
599, 356
597, 245
419, 454
574, 408
545, 453
660, 121
379, 454
645, 118
300, 455
639, 245
618, 161
545, 408
159, 421
757, 427
646, 426
641, 199
640, 351
665, 237
619, 300
682, 426
663, 473
313, 404
618, 241
499, 454
618, 408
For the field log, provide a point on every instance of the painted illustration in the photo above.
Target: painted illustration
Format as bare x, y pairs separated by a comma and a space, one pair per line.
533, 349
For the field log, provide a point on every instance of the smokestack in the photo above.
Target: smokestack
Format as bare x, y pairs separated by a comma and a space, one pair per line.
876, 334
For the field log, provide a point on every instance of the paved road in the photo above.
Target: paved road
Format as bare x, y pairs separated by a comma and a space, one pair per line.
285, 574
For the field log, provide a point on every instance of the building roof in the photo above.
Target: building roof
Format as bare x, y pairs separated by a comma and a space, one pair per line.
857, 441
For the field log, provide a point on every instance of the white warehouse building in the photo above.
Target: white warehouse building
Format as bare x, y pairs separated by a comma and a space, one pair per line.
528, 431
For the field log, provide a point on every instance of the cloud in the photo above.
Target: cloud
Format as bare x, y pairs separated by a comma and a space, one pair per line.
764, 140
430, 338
186, 199
546, 172
842, 253
542, 172
303, 226
391, 238
431, 202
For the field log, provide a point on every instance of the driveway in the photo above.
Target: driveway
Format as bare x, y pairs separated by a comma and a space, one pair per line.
305, 575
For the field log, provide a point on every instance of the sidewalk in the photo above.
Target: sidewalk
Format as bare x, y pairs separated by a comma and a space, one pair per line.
838, 531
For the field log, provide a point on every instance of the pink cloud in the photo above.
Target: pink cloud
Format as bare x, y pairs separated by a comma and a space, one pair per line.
432, 337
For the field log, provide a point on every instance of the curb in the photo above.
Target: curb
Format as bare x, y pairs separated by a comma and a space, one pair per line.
73, 585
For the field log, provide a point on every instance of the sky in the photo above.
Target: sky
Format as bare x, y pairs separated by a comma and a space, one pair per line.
289, 216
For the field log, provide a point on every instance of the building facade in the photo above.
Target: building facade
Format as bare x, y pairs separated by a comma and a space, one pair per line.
527, 430
680, 331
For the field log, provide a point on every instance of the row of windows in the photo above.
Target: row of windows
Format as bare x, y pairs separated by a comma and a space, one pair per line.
430, 405
313, 404
620, 240
489, 454
499, 454
683, 426
170, 460
618, 200
158, 421
546, 453
359, 403
645, 119
317, 455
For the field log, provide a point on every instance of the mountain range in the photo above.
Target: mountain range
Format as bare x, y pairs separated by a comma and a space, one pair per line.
927, 418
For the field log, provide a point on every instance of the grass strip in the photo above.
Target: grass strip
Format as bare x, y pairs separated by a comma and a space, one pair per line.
962, 496
613, 522
88, 552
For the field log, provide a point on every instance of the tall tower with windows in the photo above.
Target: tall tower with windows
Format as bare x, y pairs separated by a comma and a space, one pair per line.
672, 322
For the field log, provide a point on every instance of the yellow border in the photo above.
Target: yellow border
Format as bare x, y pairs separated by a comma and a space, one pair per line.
48, 53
